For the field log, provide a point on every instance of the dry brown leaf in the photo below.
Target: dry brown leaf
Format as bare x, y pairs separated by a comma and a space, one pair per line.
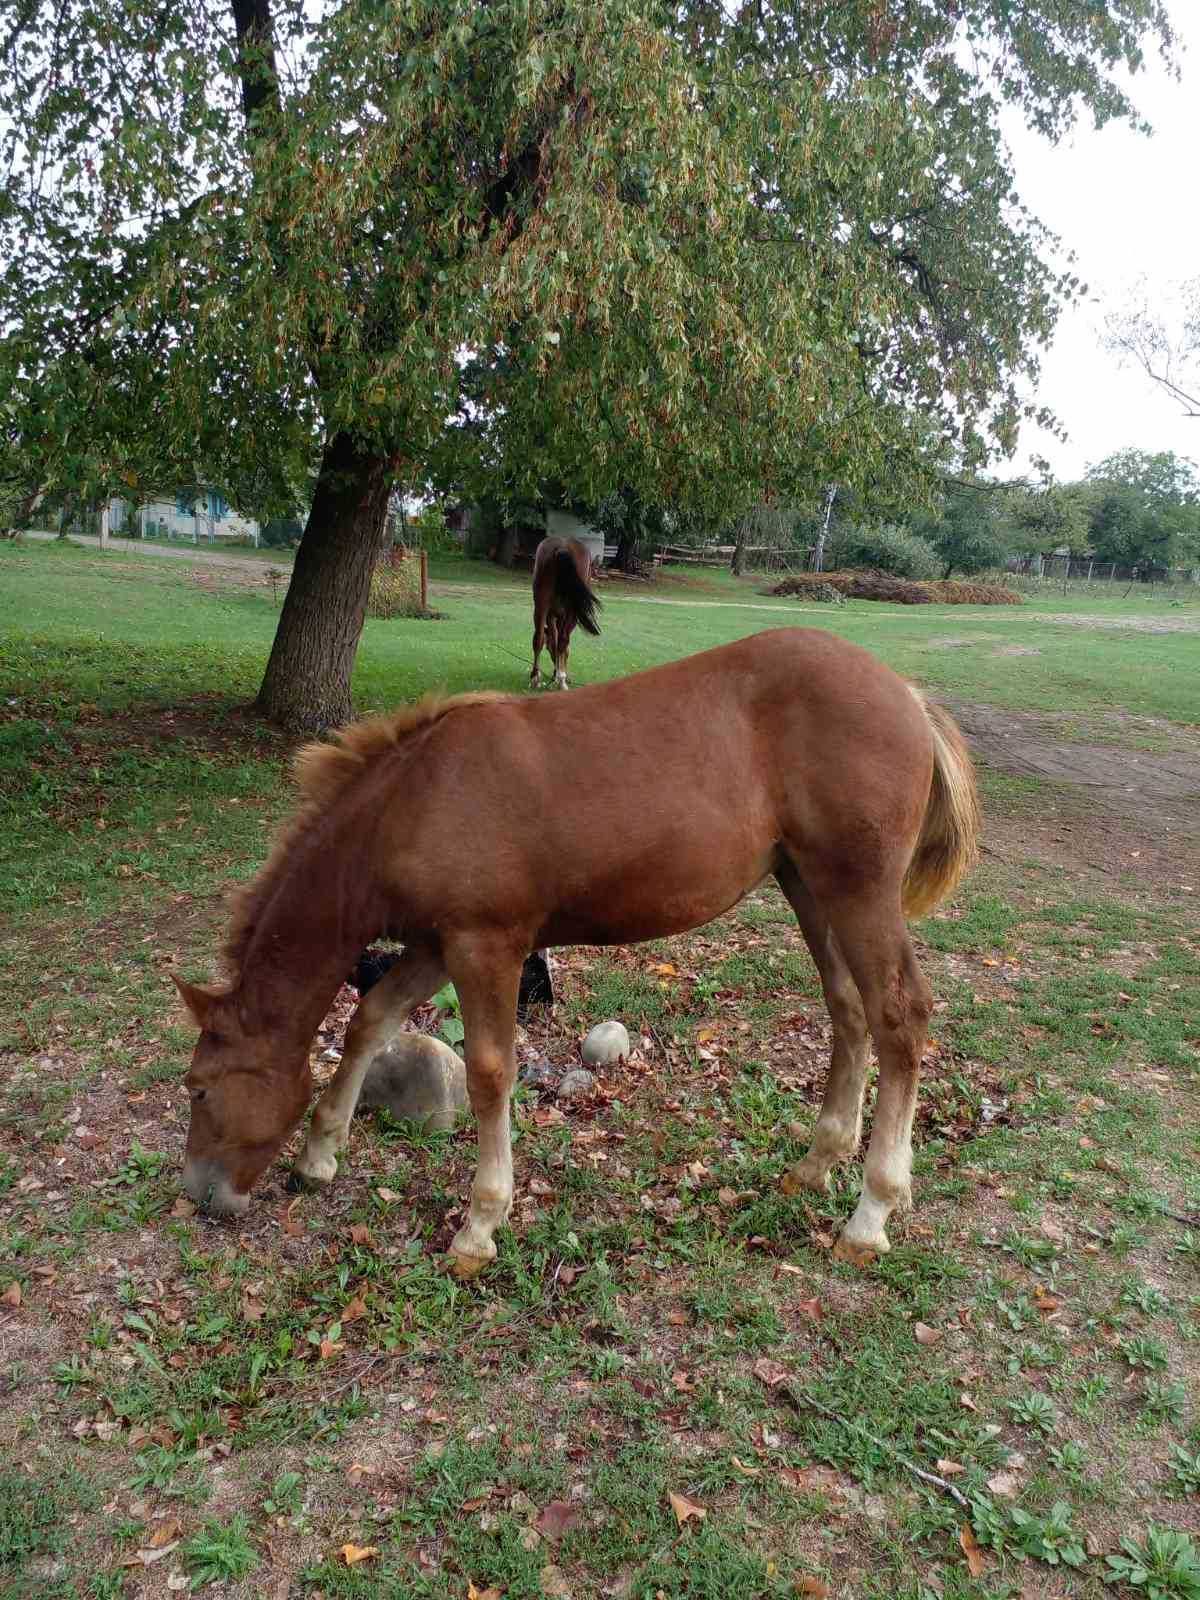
183, 1207
924, 1334
665, 969
1003, 1483
683, 1382
964, 1399
814, 1587
554, 1583
388, 1196
329, 1348
164, 1533
354, 1311
769, 1372
1053, 1230
685, 1510
11, 1295
727, 1197
352, 1554
976, 1565
252, 1309
949, 1469
481, 1594
556, 1518
810, 1308
740, 1466
360, 1233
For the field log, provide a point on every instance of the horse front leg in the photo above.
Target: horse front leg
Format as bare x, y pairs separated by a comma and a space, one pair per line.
381, 1014
539, 639
487, 976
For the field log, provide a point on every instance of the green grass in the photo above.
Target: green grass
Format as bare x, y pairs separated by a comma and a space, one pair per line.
661, 1320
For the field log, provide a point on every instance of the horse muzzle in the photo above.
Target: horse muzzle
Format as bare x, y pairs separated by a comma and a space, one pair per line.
208, 1186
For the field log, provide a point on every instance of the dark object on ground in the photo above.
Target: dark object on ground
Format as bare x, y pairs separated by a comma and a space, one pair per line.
537, 987
900, 591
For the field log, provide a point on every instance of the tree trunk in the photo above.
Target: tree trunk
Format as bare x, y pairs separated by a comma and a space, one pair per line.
306, 688
738, 565
626, 545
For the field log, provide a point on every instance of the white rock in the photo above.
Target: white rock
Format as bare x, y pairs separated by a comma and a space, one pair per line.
419, 1079
576, 1084
607, 1043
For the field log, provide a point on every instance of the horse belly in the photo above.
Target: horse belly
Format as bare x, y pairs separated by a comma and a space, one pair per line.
660, 891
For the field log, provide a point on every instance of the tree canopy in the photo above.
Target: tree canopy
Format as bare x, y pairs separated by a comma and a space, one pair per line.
700, 253
1145, 508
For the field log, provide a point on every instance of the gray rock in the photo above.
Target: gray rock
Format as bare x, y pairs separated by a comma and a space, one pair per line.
576, 1084
539, 1074
605, 1044
417, 1079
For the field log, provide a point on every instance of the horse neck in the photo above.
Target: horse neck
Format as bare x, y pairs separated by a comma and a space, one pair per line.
322, 911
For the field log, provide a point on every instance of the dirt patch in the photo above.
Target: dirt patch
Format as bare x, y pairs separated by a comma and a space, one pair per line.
1015, 650
1078, 619
1106, 810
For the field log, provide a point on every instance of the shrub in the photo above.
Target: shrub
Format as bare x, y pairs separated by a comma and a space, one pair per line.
885, 547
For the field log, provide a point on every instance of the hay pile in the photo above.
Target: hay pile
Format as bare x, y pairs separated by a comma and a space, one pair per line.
396, 585
900, 591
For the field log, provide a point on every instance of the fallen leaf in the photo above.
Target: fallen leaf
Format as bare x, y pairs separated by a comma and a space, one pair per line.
685, 1510
252, 1309
1003, 1483
481, 1594
360, 1233
964, 1399
388, 1196
950, 1469
556, 1518
554, 1583
147, 1558
356, 1309
727, 1198
1053, 1230
813, 1480
683, 1382
976, 1565
183, 1207
665, 969
11, 1295
329, 1348
705, 1035
924, 1334
164, 1533
814, 1587
740, 1466
352, 1554
769, 1372
810, 1308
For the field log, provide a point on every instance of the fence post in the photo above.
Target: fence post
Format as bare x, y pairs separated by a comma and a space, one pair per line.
424, 580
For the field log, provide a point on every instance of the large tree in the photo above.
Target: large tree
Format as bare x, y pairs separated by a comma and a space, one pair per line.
705, 253
1145, 508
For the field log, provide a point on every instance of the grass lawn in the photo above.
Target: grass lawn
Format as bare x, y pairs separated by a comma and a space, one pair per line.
665, 1386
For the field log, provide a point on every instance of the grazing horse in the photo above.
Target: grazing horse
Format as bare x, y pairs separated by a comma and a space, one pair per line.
791, 753
562, 597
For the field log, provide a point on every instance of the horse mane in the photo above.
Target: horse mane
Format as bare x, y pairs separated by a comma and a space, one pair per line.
324, 771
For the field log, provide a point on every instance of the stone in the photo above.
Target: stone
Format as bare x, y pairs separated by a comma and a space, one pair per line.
606, 1044
539, 1074
576, 1084
417, 1079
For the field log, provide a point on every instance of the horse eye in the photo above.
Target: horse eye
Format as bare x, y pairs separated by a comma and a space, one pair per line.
198, 1094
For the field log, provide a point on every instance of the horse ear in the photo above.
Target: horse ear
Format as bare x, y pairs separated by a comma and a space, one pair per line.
198, 998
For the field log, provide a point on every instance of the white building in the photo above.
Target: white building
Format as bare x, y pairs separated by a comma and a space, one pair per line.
197, 515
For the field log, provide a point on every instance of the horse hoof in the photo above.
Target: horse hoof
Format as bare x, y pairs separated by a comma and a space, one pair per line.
860, 1252
465, 1266
804, 1178
319, 1174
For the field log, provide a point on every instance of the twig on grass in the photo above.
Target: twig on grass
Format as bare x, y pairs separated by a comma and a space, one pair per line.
799, 1399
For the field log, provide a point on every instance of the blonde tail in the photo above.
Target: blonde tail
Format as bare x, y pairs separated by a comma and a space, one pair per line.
949, 843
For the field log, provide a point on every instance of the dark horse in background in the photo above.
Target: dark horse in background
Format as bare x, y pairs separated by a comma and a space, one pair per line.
562, 597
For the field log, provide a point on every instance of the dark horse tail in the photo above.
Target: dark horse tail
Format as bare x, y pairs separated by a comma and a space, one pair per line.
573, 593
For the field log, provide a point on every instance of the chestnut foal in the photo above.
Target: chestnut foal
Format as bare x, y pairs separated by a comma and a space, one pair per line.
790, 753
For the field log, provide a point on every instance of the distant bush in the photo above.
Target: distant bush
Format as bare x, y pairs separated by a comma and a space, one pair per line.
884, 547
282, 533
900, 591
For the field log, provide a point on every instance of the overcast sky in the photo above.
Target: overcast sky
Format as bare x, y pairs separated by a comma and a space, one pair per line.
1129, 206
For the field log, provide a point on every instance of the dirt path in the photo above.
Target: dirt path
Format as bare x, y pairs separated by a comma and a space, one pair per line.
182, 552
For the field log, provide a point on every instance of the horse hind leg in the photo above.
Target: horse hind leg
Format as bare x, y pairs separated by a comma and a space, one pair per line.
898, 1004
380, 1015
562, 653
839, 1125
539, 639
